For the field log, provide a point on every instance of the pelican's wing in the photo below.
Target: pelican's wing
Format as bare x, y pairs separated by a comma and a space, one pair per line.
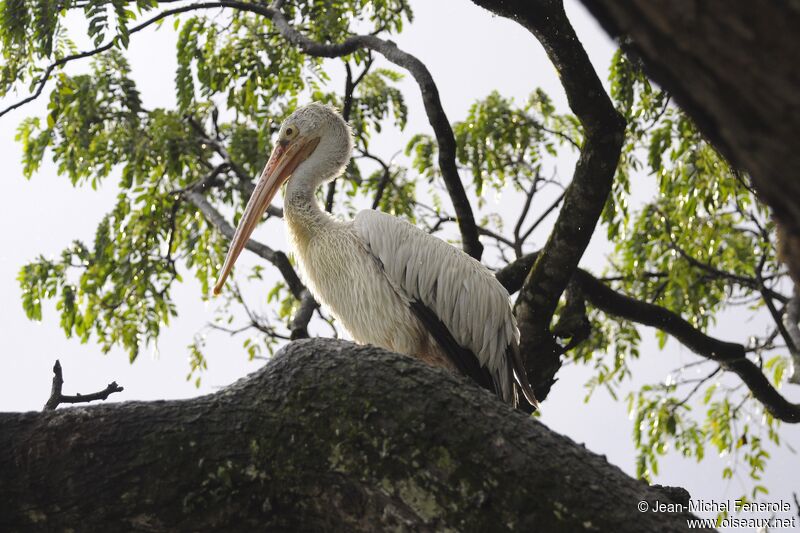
449, 290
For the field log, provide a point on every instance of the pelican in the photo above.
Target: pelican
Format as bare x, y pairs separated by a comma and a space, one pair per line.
386, 281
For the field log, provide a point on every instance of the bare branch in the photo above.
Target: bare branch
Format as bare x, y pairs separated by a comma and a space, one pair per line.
385, 178
256, 322
523, 214
302, 316
347, 106
57, 398
491, 234
699, 383
543, 216
538, 125
773, 311
796, 503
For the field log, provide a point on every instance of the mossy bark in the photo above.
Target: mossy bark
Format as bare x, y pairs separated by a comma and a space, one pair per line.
328, 436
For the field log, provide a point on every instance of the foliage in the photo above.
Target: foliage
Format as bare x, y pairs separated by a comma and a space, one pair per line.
703, 247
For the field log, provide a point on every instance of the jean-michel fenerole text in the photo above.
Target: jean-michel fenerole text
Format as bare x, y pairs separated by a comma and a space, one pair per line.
721, 506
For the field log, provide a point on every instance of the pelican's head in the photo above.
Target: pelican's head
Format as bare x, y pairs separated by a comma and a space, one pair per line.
314, 139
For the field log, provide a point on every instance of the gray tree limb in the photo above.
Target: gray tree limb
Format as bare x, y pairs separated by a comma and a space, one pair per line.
328, 436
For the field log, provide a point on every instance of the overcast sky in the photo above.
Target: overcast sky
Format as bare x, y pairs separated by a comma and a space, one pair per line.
470, 53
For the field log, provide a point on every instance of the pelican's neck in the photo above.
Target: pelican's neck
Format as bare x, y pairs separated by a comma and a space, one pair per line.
304, 216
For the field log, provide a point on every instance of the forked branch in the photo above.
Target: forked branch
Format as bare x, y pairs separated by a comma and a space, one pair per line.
57, 397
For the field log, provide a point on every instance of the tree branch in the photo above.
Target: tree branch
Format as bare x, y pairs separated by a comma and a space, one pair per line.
773, 311
57, 398
299, 323
529, 194
538, 125
614, 303
205, 182
350, 85
45, 77
543, 216
586, 195
729, 355
302, 316
756, 283
315, 441
385, 178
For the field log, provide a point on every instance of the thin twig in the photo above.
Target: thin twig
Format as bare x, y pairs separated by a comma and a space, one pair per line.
57, 398
539, 125
543, 216
699, 383
523, 214
780, 323
385, 179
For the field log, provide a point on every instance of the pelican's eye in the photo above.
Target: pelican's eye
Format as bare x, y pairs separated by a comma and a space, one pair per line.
290, 132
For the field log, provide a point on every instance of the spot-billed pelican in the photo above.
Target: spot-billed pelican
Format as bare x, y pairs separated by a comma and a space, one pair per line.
387, 282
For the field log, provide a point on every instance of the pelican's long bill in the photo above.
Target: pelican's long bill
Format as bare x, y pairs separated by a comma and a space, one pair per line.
285, 158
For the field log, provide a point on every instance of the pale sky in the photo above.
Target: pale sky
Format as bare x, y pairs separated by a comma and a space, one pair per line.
470, 53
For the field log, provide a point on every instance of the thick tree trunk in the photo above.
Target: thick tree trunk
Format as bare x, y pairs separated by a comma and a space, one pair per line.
327, 436
733, 67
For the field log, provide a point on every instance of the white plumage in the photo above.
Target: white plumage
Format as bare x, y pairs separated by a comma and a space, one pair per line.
389, 283
459, 290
